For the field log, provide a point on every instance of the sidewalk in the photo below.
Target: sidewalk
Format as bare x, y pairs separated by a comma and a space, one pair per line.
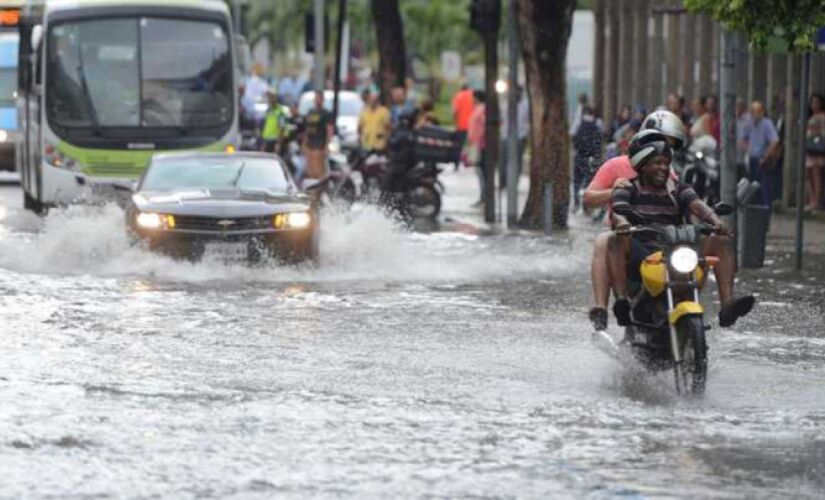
461, 192
782, 235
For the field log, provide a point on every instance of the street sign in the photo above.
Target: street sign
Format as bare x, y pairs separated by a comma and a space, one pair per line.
451, 65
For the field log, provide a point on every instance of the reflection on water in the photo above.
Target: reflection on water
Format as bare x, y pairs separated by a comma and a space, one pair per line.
438, 364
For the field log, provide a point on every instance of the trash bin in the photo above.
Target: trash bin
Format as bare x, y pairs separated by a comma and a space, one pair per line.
754, 221
747, 192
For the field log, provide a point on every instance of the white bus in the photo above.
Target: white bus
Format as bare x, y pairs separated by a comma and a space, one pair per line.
105, 84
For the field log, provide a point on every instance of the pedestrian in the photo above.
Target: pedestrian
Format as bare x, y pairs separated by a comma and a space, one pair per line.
699, 119
675, 103
714, 121
762, 141
374, 124
399, 105
742, 119
522, 131
289, 88
815, 150
588, 145
274, 124
583, 102
619, 123
255, 90
318, 130
426, 114
462, 110
475, 142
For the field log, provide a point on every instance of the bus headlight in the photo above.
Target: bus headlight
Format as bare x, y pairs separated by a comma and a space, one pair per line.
149, 220
684, 260
59, 159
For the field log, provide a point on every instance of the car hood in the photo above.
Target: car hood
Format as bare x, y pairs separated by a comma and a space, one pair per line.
220, 202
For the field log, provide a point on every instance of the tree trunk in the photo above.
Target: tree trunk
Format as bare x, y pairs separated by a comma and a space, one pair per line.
545, 30
389, 35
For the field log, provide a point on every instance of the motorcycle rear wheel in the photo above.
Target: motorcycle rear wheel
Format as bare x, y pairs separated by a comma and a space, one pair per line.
691, 373
423, 202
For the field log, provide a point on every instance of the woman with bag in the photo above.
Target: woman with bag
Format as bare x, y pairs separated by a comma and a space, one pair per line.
815, 151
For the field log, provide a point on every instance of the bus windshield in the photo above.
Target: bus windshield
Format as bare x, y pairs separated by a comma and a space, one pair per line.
139, 72
8, 69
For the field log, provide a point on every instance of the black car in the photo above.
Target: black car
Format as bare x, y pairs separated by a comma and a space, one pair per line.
231, 205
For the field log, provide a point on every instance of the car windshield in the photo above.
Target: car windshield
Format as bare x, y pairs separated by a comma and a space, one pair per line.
348, 104
139, 72
168, 174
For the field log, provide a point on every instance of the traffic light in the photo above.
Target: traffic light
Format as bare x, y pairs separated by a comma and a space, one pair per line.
485, 15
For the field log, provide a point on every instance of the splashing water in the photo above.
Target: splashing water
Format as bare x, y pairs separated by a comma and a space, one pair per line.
362, 244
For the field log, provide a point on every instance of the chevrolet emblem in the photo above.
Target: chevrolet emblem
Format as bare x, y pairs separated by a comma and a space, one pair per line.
226, 223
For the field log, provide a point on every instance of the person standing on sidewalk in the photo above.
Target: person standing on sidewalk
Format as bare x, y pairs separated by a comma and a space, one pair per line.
762, 140
475, 142
374, 124
462, 111
318, 132
815, 151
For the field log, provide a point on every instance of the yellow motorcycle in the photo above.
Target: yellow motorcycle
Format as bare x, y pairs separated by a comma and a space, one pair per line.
667, 329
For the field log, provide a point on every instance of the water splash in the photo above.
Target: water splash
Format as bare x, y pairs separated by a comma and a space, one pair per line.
360, 244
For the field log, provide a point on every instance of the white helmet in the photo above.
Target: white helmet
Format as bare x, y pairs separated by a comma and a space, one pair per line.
668, 124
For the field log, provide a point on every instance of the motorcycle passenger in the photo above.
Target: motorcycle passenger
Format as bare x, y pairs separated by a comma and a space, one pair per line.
614, 173
659, 199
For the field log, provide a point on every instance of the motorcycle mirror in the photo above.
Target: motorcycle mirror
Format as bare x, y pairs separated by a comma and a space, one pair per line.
723, 208
699, 155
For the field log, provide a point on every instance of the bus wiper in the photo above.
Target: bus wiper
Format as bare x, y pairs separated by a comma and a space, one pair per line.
87, 96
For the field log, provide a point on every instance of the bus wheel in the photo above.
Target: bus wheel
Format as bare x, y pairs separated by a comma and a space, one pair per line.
29, 203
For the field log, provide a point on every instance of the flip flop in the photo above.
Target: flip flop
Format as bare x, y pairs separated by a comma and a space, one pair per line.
735, 310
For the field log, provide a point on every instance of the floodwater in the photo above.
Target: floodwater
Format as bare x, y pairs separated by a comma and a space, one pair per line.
436, 365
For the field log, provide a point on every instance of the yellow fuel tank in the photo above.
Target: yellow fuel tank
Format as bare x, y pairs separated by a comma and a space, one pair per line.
654, 274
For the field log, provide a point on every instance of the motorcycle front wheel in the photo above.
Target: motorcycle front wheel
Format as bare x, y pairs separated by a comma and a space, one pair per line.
691, 373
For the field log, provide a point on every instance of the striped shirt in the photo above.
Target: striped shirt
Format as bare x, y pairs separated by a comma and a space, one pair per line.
668, 205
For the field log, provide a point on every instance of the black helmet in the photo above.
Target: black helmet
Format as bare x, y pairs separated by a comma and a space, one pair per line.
647, 144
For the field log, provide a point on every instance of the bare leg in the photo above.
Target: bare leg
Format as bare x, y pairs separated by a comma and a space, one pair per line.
810, 198
618, 249
816, 172
721, 246
598, 271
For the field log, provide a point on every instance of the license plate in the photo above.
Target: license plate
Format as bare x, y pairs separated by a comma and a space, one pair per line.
226, 250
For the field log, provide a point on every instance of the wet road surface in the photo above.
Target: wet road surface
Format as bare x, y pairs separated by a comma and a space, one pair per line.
439, 365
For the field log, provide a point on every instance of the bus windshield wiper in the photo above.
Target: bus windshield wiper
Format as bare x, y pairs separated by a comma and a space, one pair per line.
87, 96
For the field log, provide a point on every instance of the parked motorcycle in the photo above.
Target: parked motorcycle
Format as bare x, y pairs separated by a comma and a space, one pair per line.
668, 325
700, 169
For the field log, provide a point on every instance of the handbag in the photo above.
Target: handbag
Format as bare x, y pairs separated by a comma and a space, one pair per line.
815, 145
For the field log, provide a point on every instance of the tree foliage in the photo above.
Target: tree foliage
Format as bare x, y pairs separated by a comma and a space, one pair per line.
795, 21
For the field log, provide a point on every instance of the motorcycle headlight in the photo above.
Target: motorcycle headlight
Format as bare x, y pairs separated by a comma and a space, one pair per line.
684, 260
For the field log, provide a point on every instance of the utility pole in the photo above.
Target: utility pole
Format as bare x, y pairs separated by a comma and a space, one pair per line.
512, 116
729, 45
318, 77
485, 18
800, 173
336, 85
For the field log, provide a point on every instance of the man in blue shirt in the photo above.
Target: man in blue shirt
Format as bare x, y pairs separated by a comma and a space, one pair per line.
762, 142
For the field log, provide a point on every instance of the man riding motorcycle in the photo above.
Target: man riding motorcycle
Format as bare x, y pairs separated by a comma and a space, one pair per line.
614, 173
657, 198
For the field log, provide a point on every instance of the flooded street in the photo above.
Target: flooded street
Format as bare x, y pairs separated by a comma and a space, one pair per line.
437, 365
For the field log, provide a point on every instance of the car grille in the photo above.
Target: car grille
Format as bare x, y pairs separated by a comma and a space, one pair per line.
222, 224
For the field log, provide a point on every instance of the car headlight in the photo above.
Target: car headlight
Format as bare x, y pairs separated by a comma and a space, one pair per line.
684, 260
149, 220
4, 136
294, 220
